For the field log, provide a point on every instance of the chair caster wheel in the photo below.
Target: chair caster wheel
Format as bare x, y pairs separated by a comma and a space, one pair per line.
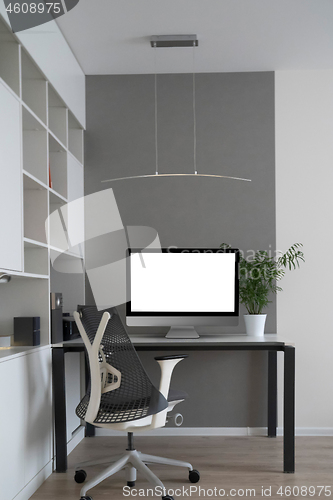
80, 477
194, 476
86, 497
167, 497
131, 484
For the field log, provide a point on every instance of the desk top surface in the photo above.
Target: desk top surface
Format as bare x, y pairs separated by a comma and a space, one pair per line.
159, 342
205, 340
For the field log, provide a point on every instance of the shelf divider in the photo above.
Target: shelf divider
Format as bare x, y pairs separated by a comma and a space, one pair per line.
9, 59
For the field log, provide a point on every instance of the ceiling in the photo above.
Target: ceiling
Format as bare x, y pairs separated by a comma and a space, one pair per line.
112, 36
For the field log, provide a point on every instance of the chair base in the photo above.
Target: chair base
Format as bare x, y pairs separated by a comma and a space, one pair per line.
134, 461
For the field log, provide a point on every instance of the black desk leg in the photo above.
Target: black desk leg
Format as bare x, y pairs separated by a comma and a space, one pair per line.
289, 410
90, 429
58, 377
272, 393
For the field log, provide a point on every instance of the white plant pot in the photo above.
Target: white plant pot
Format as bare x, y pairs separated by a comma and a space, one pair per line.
255, 324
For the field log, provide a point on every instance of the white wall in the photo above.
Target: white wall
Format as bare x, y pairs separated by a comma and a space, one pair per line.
304, 210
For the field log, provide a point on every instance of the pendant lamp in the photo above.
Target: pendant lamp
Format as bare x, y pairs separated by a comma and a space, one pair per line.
176, 41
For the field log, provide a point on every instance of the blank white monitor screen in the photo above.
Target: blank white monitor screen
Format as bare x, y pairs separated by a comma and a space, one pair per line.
188, 281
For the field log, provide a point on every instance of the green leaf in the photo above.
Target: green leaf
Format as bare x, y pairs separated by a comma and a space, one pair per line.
258, 277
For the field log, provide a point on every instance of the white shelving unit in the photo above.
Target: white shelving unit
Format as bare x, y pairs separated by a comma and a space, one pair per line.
36, 258
58, 167
50, 139
34, 146
34, 87
75, 137
58, 113
9, 59
39, 139
34, 209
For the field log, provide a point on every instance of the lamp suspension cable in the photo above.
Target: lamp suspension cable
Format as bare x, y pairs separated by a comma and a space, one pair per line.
155, 93
194, 117
176, 41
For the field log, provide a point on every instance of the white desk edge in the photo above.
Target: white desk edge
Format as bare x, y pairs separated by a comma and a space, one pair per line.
141, 340
7, 353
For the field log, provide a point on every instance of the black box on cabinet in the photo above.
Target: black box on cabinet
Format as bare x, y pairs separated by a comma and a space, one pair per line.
27, 331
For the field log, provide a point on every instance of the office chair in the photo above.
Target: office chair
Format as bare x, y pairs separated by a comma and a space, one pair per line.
122, 397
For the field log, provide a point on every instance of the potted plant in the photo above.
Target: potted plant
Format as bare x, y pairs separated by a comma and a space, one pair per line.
258, 277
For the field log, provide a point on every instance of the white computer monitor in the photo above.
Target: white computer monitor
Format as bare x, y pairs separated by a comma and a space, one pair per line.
182, 288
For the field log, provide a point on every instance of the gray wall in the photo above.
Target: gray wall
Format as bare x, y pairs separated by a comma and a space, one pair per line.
235, 136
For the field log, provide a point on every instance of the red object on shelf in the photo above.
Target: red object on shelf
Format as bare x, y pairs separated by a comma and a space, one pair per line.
50, 180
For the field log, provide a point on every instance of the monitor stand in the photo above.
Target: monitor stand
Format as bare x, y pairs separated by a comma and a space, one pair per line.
182, 332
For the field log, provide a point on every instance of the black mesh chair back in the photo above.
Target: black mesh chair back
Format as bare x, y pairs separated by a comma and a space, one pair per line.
136, 397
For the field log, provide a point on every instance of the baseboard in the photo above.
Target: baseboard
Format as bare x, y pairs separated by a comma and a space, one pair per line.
33, 485
314, 431
309, 431
193, 431
222, 431
77, 437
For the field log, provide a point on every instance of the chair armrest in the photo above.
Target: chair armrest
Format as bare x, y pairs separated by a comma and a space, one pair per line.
171, 356
167, 364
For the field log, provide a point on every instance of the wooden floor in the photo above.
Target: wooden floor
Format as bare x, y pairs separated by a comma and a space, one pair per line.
238, 463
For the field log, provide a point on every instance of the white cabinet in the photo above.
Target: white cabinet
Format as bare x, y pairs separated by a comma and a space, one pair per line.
10, 182
25, 420
37, 445
12, 428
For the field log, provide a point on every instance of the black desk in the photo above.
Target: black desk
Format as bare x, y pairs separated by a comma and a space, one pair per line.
270, 343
